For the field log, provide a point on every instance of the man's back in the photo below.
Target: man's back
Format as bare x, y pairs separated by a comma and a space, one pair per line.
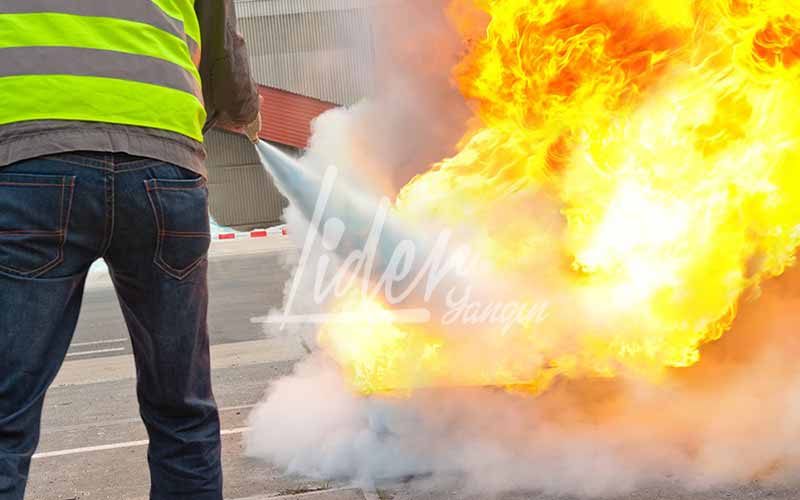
120, 77
102, 109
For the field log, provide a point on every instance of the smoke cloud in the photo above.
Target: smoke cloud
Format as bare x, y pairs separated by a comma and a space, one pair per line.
732, 418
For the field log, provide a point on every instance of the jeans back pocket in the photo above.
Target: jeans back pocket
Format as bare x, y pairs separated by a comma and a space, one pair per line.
34, 218
180, 208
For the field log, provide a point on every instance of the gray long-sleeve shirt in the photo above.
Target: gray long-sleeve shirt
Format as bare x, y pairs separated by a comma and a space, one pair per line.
231, 100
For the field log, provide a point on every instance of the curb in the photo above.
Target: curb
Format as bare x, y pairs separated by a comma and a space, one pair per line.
261, 233
311, 495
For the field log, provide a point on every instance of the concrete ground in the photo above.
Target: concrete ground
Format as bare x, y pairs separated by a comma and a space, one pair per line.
93, 444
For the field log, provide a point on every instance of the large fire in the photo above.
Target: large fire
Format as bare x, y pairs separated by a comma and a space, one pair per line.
664, 136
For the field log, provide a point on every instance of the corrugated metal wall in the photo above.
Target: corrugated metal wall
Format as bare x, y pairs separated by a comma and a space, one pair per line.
317, 48
241, 192
322, 49
287, 117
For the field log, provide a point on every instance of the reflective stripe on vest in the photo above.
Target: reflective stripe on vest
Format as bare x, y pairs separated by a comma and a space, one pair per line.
131, 62
131, 11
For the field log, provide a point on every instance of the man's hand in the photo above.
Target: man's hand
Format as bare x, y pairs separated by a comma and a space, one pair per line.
253, 129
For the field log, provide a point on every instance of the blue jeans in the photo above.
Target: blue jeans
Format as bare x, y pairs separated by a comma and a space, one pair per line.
149, 221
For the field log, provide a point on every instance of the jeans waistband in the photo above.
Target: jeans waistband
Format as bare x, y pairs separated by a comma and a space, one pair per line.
109, 162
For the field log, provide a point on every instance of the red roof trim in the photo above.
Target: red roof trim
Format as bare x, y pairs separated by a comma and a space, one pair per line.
287, 117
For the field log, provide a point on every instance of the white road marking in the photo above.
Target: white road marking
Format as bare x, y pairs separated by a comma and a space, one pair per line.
413, 316
98, 342
88, 449
316, 493
115, 446
98, 351
123, 421
240, 407
92, 370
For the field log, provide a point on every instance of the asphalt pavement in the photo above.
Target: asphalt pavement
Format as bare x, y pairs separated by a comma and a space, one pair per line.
94, 446
246, 278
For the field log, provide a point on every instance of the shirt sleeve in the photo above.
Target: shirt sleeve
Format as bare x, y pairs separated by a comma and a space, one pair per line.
231, 96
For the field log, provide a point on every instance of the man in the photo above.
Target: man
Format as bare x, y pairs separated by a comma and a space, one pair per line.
101, 123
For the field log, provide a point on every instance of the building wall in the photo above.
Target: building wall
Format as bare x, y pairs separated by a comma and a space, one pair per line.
241, 193
308, 56
317, 48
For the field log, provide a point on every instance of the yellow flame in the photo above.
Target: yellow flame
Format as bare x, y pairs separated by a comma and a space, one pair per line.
665, 134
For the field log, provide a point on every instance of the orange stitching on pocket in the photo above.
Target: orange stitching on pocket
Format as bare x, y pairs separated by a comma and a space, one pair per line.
159, 213
178, 189
63, 221
156, 217
61, 233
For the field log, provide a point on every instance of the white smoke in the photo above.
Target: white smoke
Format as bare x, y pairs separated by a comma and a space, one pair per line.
732, 419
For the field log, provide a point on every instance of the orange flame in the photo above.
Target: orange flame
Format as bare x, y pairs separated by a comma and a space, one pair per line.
641, 160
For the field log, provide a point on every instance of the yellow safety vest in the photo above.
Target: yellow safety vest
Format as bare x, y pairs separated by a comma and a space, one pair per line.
131, 62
